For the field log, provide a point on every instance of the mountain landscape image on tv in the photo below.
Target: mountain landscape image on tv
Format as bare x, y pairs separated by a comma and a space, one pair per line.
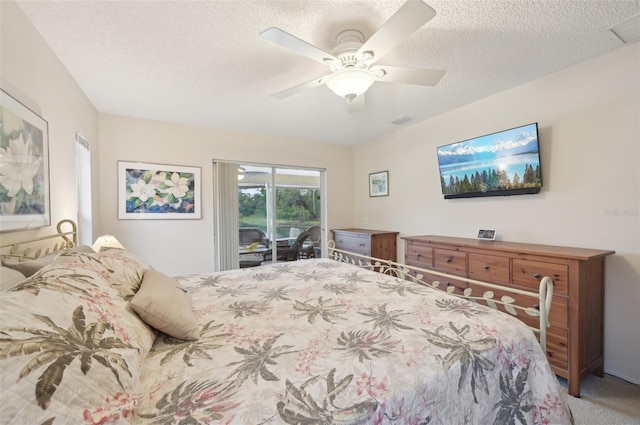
497, 164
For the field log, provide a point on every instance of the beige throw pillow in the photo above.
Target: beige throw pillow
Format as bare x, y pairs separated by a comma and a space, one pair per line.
163, 305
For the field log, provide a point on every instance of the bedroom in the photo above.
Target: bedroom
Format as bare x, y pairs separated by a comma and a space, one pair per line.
593, 105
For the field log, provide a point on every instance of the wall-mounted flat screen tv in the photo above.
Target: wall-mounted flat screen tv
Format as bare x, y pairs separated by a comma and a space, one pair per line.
497, 164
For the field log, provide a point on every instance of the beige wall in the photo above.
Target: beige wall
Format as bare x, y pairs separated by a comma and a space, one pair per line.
186, 246
589, 119
31, 73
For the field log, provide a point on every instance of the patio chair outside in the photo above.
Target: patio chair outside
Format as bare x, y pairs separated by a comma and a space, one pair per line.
250, 235
308, 251
292, 253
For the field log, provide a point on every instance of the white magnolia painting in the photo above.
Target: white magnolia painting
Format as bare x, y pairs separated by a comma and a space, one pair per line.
154, 191
24, 167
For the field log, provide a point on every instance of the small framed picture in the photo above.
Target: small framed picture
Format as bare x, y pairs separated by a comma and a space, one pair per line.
487, 234
379, 184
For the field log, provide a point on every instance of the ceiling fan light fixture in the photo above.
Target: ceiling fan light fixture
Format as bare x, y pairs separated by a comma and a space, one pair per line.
350, 83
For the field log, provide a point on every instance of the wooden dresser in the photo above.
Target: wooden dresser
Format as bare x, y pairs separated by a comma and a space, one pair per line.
575, 338
372, 243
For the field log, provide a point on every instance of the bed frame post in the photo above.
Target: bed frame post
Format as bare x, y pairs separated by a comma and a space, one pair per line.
545, 296
73, 232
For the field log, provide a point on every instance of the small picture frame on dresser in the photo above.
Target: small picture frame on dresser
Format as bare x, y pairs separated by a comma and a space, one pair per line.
487, 234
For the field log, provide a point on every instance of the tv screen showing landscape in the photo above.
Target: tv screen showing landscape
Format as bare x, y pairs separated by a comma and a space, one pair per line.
497, 164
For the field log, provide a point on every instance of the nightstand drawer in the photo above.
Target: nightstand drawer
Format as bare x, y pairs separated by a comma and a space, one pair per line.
448, 260
528, 273
353, 243
489, 268
419, 255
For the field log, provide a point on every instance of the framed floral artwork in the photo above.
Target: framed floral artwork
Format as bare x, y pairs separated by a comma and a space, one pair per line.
379, 184
156, 191
24, 167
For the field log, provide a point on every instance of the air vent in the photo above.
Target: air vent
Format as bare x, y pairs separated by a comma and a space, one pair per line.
628, 30
401, 120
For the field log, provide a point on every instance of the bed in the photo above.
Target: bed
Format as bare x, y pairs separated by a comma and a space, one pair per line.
314, 341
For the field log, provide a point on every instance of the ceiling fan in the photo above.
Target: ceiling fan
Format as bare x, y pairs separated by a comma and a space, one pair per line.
352, 61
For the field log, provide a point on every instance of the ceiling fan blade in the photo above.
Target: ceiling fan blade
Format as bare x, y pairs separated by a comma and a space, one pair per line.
300, 87
357, 105
301, 47
398, 74
411, 16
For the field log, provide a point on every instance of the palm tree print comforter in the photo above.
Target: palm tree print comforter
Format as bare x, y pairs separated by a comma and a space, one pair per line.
306, 342
322, 342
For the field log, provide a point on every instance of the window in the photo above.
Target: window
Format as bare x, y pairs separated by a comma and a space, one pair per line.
83, 180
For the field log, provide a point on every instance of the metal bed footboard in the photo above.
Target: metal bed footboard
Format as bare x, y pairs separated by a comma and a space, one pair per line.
505, 303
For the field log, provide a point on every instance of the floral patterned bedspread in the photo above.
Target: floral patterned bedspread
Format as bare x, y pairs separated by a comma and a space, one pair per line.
322, 342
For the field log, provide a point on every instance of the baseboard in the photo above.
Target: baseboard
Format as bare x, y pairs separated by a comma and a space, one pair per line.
630, 379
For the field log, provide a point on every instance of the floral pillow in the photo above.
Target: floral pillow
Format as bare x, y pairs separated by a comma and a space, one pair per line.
122, 269
70, 349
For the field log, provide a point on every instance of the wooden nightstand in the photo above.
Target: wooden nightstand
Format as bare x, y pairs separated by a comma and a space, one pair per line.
372, 243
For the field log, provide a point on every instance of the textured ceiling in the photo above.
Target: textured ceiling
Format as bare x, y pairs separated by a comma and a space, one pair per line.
204, 63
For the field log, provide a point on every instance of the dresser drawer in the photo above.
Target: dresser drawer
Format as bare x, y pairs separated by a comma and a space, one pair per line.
419, 255
557, 350
528, 273
448, 260
557, 316
445, 283
359, 244
489, 268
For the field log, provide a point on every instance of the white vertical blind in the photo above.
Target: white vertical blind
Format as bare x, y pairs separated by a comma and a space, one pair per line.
83, 186
225, 184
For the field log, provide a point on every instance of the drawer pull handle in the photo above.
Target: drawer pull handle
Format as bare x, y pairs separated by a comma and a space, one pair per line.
486, 267
418, 255
536, 275
450, 259
361, 244
449, 283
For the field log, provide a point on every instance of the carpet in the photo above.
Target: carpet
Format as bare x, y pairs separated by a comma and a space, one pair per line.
605, 401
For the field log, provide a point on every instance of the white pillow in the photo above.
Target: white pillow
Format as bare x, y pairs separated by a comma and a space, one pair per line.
9, 278
162, 304
30, 267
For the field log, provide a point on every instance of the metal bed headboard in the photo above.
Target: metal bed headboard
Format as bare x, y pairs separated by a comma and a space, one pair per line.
30, 249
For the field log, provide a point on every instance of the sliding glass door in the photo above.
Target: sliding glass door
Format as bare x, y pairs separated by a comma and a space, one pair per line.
276, 205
